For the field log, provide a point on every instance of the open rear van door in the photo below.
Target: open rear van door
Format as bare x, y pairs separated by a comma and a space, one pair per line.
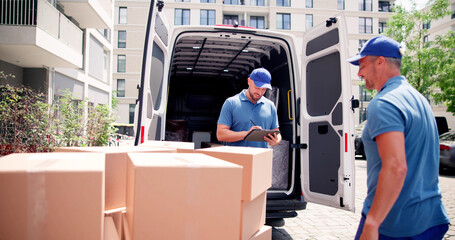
326, 119
149, 111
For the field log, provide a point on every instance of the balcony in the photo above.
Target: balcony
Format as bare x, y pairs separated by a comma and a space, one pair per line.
35, 34
89, 13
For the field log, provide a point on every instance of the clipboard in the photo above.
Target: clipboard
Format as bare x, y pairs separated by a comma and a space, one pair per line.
259, 134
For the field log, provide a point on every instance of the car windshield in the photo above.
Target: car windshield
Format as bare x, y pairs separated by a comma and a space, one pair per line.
450, 136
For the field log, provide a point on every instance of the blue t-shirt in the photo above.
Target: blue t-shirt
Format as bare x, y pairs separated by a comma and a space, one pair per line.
238, 112
399, 107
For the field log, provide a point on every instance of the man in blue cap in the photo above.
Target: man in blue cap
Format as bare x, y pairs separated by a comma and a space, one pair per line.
402, 148
249, 110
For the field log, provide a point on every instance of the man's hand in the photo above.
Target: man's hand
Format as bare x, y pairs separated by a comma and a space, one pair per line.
273, 139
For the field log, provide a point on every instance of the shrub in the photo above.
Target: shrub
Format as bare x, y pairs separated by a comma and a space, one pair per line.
29, 124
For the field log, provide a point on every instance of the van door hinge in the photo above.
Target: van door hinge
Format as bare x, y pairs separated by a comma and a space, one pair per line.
355, 103
300, 145
331, 21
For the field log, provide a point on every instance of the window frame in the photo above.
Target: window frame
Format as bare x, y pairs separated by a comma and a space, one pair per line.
231, 2
182, 21
306, 21
282, 3
123, 41
257, 20
282, 21
308, 3
121, 92
208, 19
365, 26
122, 15
343, 4
121, 61
366, 5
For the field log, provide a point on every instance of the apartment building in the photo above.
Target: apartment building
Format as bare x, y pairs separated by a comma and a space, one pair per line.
365, 19
58, 45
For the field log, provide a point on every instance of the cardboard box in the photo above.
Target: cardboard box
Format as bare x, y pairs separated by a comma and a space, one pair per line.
257, 167
265, 233
52, 196
110, 230
181, 147
116, 159
182, 196
253, 216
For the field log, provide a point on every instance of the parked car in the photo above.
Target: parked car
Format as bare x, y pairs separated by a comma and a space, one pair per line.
358, 140
447, 150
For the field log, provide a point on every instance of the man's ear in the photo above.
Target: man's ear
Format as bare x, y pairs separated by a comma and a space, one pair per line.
381, 60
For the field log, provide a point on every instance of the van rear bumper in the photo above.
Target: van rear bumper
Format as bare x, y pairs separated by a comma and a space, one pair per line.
284, 208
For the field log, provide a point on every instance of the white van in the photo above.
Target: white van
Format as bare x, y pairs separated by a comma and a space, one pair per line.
189, 71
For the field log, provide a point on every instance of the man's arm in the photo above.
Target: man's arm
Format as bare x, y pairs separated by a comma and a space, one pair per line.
225, 134
391, 147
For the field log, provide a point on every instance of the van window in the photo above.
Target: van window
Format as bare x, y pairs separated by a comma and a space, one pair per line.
156, 75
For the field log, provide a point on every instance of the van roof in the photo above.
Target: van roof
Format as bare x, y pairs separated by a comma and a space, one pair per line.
221, 51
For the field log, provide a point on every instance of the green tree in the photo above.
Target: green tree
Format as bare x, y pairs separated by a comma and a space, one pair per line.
427, 64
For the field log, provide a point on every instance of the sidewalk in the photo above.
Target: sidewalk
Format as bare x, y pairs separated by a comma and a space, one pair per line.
321, 222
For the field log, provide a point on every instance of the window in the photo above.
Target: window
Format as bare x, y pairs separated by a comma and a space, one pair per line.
365, 5
230, 19
131, 111
182, 0
231, 2
257, 22
283, 21
340, 4
208, 1
308, 21
283, 3
121, 63
257, 2
122, 15
121, 39
208, 17
426, 25
309, 3
365, 25
384, 6
120, 87
182, 17
453, 15
382, 27
426, 39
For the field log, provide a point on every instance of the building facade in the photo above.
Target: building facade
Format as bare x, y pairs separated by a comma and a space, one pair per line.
55, 46
365, 19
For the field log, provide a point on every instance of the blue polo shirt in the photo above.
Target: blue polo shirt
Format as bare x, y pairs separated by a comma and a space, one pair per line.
399, 107
238, 111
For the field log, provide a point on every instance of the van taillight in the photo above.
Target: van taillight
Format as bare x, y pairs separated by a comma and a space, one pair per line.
142, 134
443, 147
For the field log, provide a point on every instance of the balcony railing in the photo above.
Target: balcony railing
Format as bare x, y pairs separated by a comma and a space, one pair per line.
43, 15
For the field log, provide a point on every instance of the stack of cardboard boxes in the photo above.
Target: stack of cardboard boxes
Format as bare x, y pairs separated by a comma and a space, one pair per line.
161, 190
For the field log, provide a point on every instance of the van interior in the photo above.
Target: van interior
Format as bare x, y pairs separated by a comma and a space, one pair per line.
207, 68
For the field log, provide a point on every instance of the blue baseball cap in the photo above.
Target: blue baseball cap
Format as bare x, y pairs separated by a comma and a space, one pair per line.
378, 46
261, 78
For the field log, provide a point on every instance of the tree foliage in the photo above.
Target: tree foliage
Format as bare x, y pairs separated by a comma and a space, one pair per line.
29, 124
427, 62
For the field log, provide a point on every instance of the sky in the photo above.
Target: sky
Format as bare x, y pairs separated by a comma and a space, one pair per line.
407, 5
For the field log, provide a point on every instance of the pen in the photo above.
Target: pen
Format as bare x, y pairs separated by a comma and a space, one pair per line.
253, 122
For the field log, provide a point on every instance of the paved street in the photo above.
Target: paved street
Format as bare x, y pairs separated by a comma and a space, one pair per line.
321, 222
